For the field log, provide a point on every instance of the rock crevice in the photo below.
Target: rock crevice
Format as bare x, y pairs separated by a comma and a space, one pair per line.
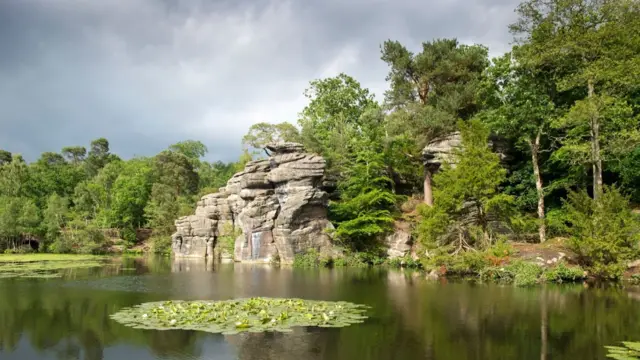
274, 209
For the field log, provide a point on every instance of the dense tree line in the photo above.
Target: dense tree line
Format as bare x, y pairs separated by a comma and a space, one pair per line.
67, 200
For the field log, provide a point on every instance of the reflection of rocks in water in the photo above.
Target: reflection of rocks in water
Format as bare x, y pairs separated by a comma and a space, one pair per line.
301, 343
191, 264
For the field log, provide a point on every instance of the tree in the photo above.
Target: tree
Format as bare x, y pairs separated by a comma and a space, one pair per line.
55, 216
214, 176
129, 195
98, 156
162, 209
617, 129
332, 117
603, 231
74, 154
175, 170
192, 149
262, 134
586, 45
51, 173
14, 177
467, 196
367, 203
5, 157
521, 109
430, 91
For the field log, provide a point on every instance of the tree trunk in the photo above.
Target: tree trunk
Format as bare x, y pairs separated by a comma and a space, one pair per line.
535, 149
428, 191
595, 145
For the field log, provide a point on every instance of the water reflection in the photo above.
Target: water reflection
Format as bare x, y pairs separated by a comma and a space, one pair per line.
412, 318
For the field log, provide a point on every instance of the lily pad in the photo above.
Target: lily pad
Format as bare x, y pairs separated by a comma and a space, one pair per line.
240, 315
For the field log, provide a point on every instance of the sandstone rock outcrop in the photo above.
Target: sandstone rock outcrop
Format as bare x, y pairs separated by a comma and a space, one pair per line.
274, 209
441, 150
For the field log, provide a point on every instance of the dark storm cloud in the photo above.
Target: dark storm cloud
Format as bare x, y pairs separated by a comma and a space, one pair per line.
147, 73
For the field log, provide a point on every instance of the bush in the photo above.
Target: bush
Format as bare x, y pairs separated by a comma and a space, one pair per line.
563, 273
604, 232
404, 262
557, 222
161, 244
311, 259
129, 235
80, 239
521, 273
523, 226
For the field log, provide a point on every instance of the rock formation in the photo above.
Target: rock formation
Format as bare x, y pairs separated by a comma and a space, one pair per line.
440, 151
278, 206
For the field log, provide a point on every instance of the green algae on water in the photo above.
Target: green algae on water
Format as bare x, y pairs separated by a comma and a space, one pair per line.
44, 266
241, 315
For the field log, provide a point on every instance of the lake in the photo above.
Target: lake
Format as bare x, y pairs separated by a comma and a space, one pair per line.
411, 317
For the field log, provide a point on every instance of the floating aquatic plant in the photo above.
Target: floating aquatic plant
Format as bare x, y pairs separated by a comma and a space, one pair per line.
241, 315
629, 351
43, 266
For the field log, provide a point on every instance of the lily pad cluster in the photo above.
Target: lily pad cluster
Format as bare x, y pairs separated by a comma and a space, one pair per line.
241, 315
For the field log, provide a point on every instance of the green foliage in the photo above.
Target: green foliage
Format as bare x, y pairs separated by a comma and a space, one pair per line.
520, 273
467, 196
79, 238
262, 134
241, 315
161, 244
311, 259
404, 262
604, 232
628, 351
365, 210
192, 149
332, 118
564, 273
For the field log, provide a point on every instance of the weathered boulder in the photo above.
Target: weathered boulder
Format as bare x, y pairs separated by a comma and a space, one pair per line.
400, 242
274, 209
440, 151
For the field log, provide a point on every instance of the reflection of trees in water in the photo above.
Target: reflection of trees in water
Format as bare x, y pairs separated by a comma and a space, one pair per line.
465, 321
411, 318
67, 321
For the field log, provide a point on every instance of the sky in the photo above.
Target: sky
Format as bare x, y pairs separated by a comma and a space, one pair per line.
148, 73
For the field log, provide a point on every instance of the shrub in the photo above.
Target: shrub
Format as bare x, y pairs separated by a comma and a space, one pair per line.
557, 222
521, 273
161, 244
523, 226
311, 259
404, 262
563, 273
603, 232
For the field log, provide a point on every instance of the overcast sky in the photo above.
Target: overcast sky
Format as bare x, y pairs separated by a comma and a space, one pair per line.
148, 73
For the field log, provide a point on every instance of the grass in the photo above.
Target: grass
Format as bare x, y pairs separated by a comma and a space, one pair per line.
44, 265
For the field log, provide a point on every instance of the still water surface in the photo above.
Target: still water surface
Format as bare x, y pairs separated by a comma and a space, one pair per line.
411, 318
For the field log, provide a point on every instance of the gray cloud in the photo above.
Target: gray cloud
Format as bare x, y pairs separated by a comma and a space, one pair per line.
147, 73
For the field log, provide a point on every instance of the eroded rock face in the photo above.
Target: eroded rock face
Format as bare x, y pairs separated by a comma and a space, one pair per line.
399, 244
440, 150
275, 209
